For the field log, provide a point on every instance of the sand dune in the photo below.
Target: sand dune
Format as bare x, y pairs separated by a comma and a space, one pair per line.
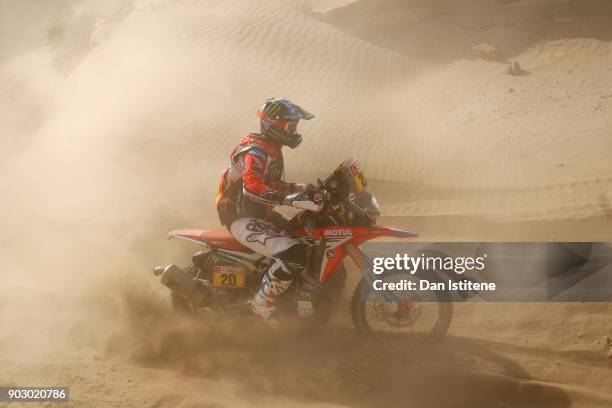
576, 200
461, 125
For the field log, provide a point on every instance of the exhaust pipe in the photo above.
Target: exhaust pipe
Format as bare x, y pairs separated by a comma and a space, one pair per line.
183, 284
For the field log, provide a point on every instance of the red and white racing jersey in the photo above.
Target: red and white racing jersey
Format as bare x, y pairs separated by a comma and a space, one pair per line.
253, 181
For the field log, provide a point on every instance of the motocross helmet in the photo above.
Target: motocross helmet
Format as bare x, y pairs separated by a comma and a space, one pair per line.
278, 120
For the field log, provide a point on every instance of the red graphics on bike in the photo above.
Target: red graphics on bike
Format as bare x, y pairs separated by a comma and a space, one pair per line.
339, 240
335, 239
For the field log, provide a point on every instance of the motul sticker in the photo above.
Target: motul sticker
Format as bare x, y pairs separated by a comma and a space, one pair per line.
337, 232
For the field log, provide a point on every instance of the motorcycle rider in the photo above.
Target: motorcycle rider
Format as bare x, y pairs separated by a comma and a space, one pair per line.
252, 184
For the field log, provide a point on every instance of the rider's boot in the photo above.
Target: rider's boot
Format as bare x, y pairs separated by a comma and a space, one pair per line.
272, 286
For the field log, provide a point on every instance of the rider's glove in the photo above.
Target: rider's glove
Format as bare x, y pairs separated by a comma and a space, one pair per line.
307, 200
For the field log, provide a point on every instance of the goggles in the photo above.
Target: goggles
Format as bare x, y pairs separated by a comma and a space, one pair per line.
289, 126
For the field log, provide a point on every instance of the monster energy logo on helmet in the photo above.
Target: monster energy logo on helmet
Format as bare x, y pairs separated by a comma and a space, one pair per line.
271, 108
278, 117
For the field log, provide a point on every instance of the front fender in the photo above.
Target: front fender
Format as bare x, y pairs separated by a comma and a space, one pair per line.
391, 231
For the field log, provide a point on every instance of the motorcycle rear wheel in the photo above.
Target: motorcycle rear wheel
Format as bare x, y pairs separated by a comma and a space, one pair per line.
424, 320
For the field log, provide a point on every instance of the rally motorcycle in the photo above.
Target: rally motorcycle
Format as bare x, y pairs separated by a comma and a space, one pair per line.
225, 275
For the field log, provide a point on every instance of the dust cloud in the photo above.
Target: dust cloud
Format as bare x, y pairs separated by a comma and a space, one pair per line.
84, 213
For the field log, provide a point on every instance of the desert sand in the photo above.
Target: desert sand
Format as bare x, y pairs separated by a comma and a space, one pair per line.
117, 117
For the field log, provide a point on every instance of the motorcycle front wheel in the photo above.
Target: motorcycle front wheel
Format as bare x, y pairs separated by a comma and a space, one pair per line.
420, 315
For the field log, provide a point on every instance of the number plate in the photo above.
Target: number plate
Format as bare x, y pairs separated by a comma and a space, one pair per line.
228, 277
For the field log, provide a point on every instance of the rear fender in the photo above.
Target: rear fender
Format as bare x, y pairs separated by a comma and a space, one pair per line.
193, 235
